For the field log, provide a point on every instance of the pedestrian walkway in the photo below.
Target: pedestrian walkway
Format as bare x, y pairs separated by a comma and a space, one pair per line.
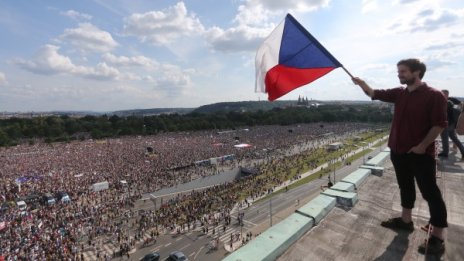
108, 249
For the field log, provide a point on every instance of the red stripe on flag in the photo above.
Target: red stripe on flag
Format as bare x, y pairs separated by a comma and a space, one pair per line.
280, 80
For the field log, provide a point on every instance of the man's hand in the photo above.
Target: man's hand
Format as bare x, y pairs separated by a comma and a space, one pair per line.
361, 83
358, 81
431, 136
417, 149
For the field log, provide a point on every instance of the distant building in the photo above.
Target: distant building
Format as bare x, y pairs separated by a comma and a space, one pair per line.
302, 101
305, 102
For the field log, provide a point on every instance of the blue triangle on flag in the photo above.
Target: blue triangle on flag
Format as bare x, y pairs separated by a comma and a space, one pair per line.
299, 49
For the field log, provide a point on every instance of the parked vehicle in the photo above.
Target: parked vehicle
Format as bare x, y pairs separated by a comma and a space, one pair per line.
154, 256
4, 207
63, 197
33, 200
177, 256
33, 197
48, 199
22, 206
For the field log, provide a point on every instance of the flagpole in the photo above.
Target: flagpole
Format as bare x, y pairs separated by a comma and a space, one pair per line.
347, 72
352, 78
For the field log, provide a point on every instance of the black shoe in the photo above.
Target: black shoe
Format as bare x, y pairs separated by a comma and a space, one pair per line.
434, 246
443, 155
398, 224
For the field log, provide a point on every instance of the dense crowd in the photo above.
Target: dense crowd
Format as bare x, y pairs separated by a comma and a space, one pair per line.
146, 164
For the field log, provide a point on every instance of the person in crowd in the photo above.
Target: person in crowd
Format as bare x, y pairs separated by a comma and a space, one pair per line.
454, 108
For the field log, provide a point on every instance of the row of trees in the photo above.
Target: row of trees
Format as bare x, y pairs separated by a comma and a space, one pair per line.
65, 128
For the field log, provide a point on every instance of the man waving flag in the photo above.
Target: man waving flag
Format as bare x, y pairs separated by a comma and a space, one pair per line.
290, 57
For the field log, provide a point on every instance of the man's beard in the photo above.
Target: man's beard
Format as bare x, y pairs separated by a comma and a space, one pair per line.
407, 81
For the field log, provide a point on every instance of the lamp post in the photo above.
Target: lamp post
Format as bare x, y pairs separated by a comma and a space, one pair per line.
364, 154
270, 211
153, 198
333, 165
241, 231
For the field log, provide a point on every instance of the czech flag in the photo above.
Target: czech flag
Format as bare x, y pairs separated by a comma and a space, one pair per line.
290, 57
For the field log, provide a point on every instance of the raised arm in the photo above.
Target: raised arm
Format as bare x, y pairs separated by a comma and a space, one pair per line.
364, 86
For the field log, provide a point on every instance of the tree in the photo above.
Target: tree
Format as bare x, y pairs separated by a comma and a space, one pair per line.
4, 139
14, 131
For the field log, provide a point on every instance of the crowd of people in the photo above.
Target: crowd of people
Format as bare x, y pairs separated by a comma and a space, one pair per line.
64, 230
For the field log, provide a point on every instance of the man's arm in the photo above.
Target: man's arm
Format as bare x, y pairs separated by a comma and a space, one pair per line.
364, 86
454, 100
431, 136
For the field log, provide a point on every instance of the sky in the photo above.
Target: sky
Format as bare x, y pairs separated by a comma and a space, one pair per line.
102, 55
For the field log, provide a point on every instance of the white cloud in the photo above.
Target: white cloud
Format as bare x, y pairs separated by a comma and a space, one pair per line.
369, 5
295, 5
240, 38
170, 80
444, 46
163, 27
173, 76
129, 61
405, 1
76, 15
253, 23
2, 79
167, 77
101, 72
439, 19
48, 61
89, 38
427, 20
259, 12
439, 61
253, 14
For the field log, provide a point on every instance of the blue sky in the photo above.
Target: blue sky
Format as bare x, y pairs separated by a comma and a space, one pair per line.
127, 54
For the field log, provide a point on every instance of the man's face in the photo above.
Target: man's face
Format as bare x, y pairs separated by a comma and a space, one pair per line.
406, 76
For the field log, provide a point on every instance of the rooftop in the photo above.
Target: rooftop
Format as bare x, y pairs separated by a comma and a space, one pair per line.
355, 234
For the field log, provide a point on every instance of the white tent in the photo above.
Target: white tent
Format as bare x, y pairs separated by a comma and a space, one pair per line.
242, 145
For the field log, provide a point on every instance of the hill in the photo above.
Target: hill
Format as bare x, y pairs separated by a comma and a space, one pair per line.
253, 106
151, 112
242, 106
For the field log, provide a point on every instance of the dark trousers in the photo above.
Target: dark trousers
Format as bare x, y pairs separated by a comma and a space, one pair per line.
422, 168
447, 133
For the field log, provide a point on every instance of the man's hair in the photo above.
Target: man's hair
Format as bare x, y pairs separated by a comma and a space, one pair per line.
445, 91
414, 65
